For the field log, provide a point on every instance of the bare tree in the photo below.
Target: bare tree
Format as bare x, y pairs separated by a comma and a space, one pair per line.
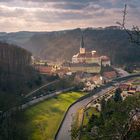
134, 33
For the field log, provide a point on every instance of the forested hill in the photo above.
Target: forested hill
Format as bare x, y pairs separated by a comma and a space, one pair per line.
62, 45
17, 77
13, 58
15, 72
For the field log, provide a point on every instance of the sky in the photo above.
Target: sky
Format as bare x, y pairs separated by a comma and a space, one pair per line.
52, 15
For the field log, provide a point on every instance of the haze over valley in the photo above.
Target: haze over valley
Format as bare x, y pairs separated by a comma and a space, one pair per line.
61, 45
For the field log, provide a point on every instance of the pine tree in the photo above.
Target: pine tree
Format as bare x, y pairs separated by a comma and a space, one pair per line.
117, 96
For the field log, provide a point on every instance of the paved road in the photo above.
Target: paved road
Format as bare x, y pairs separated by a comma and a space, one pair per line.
37, 100
40, 88
64, 133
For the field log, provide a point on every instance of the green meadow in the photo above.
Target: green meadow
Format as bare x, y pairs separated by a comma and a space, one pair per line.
43, 119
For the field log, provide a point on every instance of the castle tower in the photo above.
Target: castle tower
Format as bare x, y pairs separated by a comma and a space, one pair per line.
82, 49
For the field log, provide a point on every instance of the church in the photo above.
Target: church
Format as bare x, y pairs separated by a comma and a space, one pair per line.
86, 57
87, 61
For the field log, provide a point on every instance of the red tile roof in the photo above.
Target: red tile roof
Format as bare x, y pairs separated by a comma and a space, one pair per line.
110, 74
96, 77
125, 86
105, 58
44, 69
87, 55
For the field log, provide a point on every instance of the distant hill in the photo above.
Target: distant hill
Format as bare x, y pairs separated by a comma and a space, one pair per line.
62, 45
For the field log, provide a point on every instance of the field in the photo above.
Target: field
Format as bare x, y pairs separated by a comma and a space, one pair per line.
44, 118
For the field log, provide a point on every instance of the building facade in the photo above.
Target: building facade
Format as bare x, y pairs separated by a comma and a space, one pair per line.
87, 61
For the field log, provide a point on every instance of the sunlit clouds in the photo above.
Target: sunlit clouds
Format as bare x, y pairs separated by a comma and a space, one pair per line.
49, 15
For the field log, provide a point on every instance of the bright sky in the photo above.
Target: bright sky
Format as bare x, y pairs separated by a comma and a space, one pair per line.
50, 15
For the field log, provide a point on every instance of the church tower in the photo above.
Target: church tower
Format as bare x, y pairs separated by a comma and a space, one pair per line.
82, 49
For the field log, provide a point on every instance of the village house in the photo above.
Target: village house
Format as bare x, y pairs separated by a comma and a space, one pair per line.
125, 86
109, 75
45, 69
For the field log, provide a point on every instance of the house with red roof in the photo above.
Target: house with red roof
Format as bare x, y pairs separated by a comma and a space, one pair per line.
45, 69
110, 74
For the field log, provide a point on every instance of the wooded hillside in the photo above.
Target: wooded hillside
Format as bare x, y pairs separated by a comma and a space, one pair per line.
62, 45
15, 72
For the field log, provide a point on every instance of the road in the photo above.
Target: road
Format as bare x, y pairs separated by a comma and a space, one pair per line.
27, 95
65, 128
64, 133
37, 100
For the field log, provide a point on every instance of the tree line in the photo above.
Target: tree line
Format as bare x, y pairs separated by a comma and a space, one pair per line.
16, 76
13, 58
15, 73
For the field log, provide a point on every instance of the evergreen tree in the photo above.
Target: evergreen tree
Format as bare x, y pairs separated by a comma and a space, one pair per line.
117, 96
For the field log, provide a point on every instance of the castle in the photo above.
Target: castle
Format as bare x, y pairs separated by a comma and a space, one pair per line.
88, 62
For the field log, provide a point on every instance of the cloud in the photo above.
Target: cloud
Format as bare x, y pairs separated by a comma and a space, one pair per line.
71, 5
64, 14
79, 1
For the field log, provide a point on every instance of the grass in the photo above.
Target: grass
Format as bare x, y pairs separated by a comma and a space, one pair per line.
78, 118
44, 118
88, 113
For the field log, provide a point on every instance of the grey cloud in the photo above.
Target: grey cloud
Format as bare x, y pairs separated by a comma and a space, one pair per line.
78, 1
61, 16
4, 0
72, 6
12, 13
57, 12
